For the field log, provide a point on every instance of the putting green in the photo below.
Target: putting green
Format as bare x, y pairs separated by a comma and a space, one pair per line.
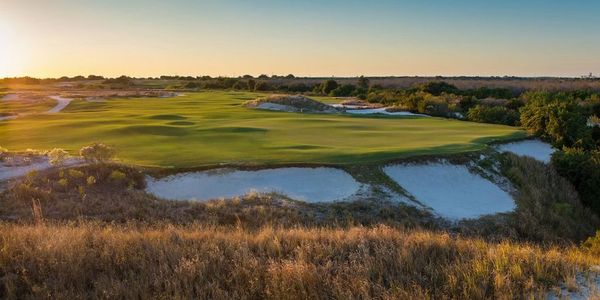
209, 128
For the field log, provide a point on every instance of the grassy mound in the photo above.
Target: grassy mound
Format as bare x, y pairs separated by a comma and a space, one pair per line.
296, 103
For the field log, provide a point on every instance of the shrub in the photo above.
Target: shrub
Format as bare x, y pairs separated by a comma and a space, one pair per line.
262, 86
493, 114
327, 86
117, 175
433, 107
3, 153
97, 153
343, 91
75, 173
592, 244
57, 156
363, 82
436, 88
557, 118
191, 85
91, 180
582, 169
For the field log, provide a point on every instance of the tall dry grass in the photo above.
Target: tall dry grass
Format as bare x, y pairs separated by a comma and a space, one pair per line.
93, 260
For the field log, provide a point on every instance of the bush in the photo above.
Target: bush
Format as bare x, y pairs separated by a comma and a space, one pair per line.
57, 156
345, 90
97, 153
436, 88
75, 174
557, 118
262, 86
493, 114
327, 86
433, 107
117, 175
191, 85
592, 244
582, 169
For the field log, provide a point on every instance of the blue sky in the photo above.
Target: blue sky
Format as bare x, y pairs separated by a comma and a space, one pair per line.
311, 38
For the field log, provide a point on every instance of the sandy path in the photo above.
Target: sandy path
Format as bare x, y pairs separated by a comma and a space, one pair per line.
62, 103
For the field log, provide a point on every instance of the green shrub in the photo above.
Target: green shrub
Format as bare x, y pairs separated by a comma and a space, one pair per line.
57, 156
75, 173
493, 114
63, 182
592, 244
117, 175
327, 86
91, 180
97, 153
582, 169
558, 118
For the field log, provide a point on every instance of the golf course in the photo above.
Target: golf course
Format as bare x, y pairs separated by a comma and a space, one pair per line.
214, 128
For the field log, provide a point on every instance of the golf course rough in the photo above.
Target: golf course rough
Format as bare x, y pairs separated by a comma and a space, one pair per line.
214, 128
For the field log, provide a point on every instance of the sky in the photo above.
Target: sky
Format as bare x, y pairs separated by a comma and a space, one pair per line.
53, 38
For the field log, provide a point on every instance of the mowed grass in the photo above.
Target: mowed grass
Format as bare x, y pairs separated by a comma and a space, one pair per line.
209, 128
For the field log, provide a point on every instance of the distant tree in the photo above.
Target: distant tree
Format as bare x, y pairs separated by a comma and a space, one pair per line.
327, 86
95, 77
263, 76
363, 82
298, 88
240, 85
250, 84
345, 90
247, 76
436, 88
191, 85
262, 86
493, 114
290, 76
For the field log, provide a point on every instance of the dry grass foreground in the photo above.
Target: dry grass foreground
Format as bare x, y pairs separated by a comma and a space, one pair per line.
121, 261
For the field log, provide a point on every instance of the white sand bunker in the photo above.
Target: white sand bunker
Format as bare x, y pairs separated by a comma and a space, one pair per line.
451, 190
382, 111
306, 184
532, 148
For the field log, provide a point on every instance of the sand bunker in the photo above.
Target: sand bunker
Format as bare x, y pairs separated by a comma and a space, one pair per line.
382, 111
531, 148
452, 191
306, 184
297, 103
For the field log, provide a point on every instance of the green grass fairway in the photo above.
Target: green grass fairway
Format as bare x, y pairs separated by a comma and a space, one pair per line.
210, 128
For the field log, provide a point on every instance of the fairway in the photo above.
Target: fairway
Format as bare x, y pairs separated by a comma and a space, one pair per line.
211, 128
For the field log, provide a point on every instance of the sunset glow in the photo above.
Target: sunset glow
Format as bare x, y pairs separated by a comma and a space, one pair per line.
341, 38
